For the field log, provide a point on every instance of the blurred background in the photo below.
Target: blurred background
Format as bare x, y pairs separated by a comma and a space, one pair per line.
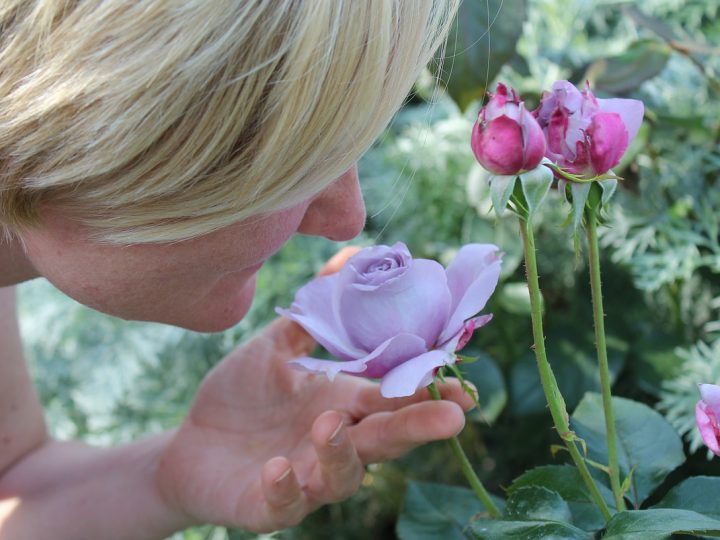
108, 381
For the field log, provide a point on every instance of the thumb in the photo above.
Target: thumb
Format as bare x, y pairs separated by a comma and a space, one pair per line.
337, 261
290, 335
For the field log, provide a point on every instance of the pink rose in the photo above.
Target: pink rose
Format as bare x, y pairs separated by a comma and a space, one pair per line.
587, 136
707, 414
506, 138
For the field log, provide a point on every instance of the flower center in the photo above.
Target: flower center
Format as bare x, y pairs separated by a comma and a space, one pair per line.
383, 265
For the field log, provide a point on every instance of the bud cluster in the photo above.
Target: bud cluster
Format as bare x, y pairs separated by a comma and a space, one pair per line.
583, 136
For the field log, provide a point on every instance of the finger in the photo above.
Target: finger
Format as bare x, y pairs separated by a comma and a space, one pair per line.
285, 502
388, 435
290, 336
370, 401
284, 334
337, 261
340, 471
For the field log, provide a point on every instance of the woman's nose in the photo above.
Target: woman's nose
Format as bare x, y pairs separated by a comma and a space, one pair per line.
338, 213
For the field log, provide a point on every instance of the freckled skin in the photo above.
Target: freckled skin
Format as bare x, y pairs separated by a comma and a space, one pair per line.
205, 284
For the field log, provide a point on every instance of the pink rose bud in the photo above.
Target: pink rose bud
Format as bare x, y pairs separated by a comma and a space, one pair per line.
506, 138
587, 136
707, 414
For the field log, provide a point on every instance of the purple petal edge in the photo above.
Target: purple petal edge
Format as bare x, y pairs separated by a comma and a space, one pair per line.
414, 374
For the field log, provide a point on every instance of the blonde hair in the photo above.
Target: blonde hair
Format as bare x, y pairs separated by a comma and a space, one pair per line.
162, 120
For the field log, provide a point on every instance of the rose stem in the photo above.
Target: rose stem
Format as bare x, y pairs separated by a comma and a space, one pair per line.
555, 400
467, 469
599, 318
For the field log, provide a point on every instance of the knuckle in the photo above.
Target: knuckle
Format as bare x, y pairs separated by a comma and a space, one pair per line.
350, 483
287, 516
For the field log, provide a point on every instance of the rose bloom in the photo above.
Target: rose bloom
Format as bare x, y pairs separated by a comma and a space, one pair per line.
506, 139
707, 414
587, 136
386, 315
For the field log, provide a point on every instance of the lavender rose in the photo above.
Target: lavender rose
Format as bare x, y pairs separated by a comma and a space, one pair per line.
386, 315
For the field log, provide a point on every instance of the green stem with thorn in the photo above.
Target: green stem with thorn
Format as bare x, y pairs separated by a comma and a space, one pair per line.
556, 403
600, 343
467, 469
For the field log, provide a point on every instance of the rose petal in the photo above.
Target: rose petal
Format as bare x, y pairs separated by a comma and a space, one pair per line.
608, 141
376, 265
460, 339
630, 110
329, 367
391, 353
417, 373
313, 310
472, 277
498, 145
533, 140
710, 394
418, 303
707, 425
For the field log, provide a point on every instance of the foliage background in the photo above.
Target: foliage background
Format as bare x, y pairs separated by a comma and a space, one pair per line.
109, 381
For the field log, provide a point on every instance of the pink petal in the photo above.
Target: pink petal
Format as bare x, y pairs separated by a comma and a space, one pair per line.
417, 373
471, 277
630, 110
533, 140
608, 141
460, 339
710, 394
498, 145
557, 128
707, 424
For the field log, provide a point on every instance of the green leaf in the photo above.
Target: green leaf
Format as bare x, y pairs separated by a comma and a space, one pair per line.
463, 383
654, 360
642, 61
572, 354
699, 494
657, 524
501, 189
535, 187
580, 194
490, 383
658, 26
525, 530
433, 511
608, 190
566, 481
481, 41
647, 444
538, 503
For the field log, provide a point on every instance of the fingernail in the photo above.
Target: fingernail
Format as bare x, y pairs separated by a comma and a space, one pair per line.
337, 436
283, 476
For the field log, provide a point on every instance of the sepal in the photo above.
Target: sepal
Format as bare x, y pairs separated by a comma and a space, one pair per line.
595, 193
534, 186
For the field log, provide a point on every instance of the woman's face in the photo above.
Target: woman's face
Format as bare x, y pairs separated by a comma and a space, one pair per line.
205, 284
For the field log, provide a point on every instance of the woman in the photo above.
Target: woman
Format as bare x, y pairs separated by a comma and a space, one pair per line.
153, 154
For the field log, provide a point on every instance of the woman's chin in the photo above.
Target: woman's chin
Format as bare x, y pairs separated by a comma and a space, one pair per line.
219, 311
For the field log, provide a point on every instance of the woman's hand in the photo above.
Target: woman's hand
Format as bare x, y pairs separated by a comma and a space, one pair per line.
265, 444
